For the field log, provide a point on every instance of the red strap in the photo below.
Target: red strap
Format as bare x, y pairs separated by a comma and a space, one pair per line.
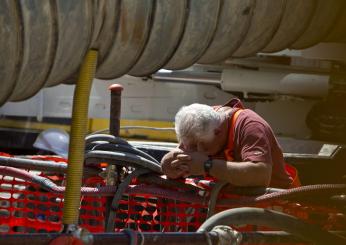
293, 172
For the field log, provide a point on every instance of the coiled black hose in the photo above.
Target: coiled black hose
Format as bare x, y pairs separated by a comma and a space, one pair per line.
120, 158
123, 148
273, 219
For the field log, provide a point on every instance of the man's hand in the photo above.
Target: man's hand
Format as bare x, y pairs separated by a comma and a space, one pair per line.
193, 160
174, 172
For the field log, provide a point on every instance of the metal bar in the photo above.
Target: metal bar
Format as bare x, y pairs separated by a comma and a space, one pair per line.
114, 129
170, 238
154, 238
114, 118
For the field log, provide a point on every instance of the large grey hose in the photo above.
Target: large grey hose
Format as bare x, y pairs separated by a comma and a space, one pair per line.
43, 43
272, 219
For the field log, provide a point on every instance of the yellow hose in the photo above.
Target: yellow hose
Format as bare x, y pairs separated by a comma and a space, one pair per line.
77, 142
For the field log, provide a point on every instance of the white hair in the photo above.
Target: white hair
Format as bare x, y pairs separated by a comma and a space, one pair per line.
196, 121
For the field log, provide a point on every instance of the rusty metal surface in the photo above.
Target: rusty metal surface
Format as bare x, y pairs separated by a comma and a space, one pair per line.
38, 47
199, 30
326, 13
265, 21
295, 20
166, 31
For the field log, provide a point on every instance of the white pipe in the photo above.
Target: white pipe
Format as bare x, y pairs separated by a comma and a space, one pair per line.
274, 82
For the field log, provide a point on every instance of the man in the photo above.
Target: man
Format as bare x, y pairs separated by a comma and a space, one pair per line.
229, 143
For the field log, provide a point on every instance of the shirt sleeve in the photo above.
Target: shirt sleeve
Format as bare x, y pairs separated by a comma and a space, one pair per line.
255, 143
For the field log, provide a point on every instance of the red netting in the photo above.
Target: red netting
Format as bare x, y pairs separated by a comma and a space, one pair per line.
26, 208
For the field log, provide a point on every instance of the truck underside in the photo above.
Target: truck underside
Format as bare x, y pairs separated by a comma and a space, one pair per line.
114, 73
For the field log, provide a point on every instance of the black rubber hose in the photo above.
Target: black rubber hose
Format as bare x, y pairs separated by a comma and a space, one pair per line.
50, 186
272, 219
56, 167
90, 146
124, 159
105, 137
124, 148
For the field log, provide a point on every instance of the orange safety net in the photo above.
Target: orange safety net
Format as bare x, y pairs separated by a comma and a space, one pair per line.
26, 208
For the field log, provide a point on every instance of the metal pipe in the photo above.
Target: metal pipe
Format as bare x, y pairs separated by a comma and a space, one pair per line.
115, 110
155, 238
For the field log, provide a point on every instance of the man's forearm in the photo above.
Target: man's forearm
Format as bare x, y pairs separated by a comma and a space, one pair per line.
242, 173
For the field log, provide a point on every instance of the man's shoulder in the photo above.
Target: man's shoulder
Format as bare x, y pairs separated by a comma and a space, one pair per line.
249, 117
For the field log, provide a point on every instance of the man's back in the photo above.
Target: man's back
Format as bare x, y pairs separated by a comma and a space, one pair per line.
254, 141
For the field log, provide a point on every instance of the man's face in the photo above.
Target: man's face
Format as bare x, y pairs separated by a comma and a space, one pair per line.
206, 145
